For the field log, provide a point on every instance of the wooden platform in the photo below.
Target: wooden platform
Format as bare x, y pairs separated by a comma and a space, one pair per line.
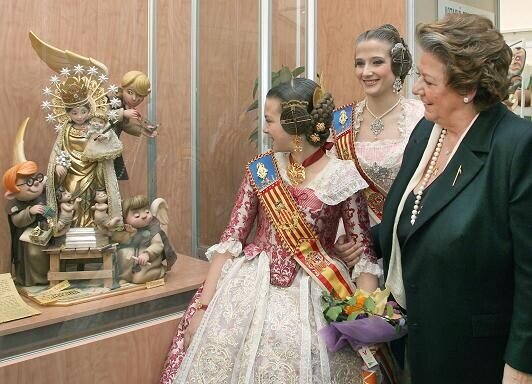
187, 274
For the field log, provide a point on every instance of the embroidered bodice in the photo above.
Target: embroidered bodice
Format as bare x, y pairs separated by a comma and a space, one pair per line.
336, 192
381, 159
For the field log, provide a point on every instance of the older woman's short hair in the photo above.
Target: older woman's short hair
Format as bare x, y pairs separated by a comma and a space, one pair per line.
474, 52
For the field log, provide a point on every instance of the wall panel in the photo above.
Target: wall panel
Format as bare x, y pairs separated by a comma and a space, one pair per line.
338, 28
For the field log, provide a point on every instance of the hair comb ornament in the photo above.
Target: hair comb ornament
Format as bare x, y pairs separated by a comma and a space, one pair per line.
294, 113
397, 83
319, 91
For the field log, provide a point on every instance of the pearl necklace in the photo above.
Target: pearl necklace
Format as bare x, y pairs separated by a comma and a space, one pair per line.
427, 176
378, 125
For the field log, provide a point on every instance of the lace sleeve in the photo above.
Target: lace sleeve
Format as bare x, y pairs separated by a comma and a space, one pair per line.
240, 223
356, 222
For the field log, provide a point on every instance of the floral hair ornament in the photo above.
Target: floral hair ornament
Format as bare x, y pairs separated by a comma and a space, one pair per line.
398, 84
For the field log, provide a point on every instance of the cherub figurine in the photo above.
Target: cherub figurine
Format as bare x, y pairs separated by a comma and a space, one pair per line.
67, 210
134, 87
140, 256
26, 208
101, 217
103, 144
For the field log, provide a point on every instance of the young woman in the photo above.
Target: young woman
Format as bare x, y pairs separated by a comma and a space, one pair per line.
256, 318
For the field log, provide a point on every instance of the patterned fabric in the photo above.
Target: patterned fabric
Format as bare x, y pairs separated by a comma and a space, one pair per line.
261, 325
382, 159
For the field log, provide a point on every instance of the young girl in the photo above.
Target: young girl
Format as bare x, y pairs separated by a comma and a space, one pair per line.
255, 320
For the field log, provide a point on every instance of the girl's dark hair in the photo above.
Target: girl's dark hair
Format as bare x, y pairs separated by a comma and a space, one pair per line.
401, 57
300, 89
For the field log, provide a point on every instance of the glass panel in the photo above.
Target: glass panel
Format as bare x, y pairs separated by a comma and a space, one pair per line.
228, 50
288, 34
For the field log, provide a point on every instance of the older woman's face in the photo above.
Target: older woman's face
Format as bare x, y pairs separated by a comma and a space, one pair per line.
441, 102
373, 67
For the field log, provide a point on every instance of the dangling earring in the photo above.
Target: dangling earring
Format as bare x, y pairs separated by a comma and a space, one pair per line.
466, 100
298, 143
397, 85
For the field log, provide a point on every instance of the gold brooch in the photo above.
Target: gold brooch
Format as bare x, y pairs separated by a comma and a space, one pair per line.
320, 127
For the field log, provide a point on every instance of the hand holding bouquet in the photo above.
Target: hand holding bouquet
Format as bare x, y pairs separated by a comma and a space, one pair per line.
361, 320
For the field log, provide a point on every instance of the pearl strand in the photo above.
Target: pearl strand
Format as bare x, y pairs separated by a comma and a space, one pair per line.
427, 176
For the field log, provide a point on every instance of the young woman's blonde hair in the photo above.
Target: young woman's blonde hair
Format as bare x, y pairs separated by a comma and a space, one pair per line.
137, 81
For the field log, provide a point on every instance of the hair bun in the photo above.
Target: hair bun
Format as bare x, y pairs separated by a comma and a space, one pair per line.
390, 28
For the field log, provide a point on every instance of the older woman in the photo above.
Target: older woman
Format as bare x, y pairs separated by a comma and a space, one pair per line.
456, 234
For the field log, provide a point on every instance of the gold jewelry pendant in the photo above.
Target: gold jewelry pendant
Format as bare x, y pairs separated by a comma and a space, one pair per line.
298, 143
296, 173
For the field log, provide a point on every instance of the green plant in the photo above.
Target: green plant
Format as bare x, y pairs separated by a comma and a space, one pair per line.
281, 76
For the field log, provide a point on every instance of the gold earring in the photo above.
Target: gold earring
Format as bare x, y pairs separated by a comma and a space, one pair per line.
298, 143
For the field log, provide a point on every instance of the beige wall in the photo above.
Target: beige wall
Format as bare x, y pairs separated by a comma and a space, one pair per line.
338, 27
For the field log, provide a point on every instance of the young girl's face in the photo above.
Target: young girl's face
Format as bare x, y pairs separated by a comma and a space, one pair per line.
131, 98
79, 114
281, 140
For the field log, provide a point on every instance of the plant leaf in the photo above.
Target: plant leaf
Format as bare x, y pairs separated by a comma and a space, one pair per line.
253, 106
298, 71
369, 305
285, 75
255, 88
334, 312
354, 315
389, 310
254, 136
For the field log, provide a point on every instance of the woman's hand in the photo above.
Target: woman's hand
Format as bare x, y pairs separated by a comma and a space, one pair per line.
60, 171
195, 321
513, 376
348, 251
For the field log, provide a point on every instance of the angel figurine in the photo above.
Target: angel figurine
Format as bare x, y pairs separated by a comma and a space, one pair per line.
72, 98
67, 210
142, 251
134, 88
102, 220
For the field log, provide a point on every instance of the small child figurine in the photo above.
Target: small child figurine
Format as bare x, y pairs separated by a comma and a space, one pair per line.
103, 144
101, 218
134, 87
140, 257
67, 209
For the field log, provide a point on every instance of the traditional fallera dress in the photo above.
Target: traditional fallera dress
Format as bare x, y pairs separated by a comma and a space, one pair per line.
261, 325
377, 161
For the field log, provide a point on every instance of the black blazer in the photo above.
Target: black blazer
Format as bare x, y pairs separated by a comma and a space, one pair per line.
467, 263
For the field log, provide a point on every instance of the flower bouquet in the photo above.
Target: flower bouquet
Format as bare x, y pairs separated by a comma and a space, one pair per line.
361, 320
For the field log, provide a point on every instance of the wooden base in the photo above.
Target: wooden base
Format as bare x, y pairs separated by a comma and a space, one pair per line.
55, 276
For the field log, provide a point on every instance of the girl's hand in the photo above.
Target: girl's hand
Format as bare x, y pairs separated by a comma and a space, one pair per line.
348, 251
195, 321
